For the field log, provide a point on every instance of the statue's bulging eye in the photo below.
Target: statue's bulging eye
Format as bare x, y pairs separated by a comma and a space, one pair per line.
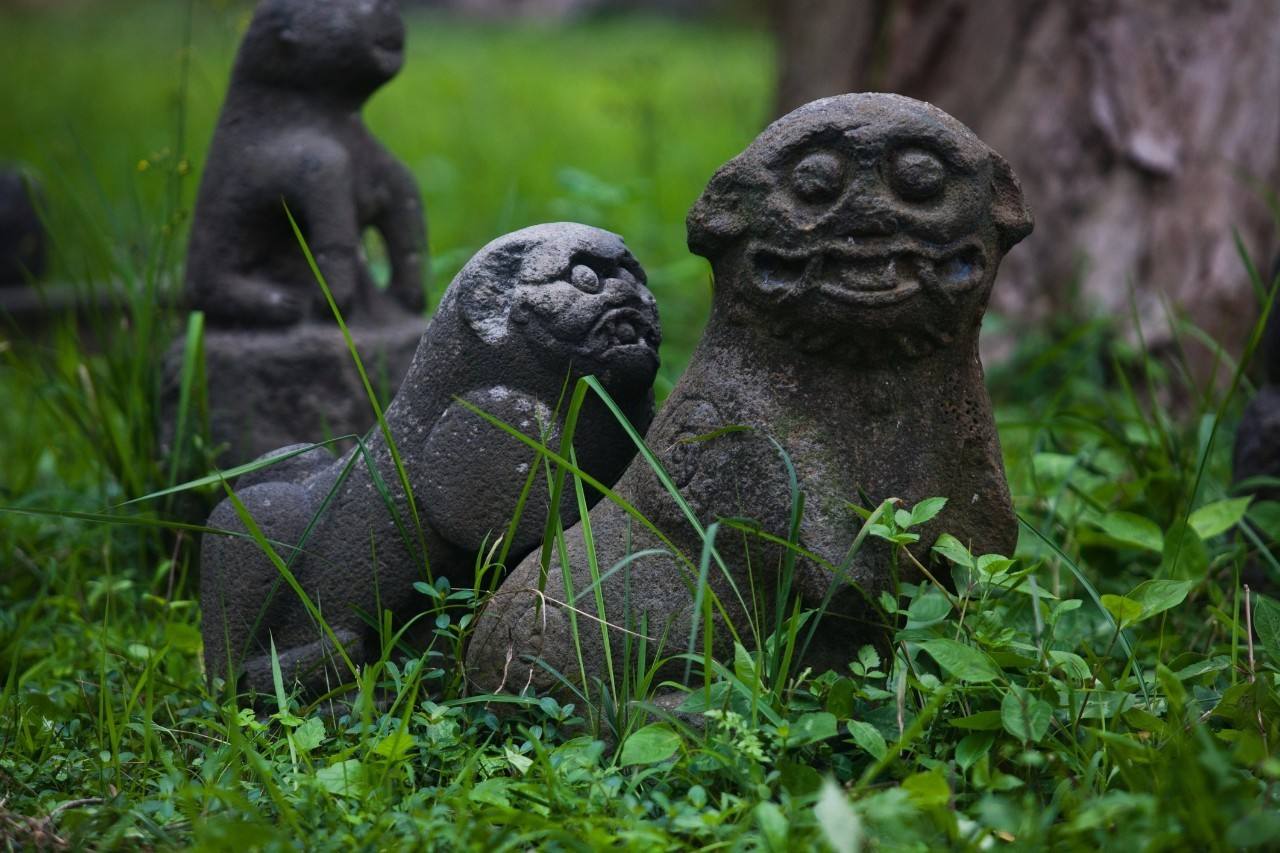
585, 278
916, 175
818, 178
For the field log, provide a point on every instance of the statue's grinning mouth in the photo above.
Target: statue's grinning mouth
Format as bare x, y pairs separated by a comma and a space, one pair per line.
869, 274
623, 327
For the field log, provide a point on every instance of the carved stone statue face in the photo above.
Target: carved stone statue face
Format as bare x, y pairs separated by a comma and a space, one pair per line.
353, 45
873, 214
574, 295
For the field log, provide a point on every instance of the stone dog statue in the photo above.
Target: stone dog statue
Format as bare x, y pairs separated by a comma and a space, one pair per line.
290, 131
854, 245
531, 312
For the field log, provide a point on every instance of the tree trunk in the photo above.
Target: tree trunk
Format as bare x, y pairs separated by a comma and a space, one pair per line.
1145, 135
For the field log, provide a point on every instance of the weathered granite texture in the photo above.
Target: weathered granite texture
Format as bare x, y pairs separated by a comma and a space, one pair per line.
1257, 452
530, 312
854, 245
290, 132
22, 236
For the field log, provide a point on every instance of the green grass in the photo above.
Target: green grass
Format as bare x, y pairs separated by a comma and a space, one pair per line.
1113, 686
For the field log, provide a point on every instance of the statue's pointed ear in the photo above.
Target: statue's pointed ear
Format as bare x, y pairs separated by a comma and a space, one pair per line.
719, 216
485, 290
1008, 208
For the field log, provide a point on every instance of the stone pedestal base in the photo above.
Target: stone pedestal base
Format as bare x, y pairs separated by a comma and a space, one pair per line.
31, 312
269, 388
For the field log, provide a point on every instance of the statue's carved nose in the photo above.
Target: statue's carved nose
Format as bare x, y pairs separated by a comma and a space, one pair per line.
867, 209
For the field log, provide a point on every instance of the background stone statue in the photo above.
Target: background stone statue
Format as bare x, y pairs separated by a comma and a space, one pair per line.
532, 311
22, 236
1257, 451
854, 245
290, 132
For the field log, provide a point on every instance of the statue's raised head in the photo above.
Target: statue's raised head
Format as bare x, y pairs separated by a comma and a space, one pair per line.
346, 46
871, 214
566, 295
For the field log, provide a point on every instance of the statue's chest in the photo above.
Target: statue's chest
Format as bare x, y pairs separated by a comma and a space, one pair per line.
369, 169
372, 192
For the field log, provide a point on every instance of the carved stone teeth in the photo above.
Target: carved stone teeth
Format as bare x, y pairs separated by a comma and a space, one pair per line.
927, 271
889, 276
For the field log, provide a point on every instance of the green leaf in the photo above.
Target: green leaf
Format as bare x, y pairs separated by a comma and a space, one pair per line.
1185, 555
744, 665
649, 745
1132, 530
1024, 716
972, 747
840, 698
1157, 596
1070, 663
773, 824
868, 737
928, 608
1266, 623
309, 735
994, 564
282, 701
799, 779
963, 662
491, 792
927, 790
812, 728
1256, 830
840, 824
521, 763
1124, 610
345, 778
983, 721
953, 549
1265, 515
395, 745
1063, 607
1219, 517
926, 510
183, 637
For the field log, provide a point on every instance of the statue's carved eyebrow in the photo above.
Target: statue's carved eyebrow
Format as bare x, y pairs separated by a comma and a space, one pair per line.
817, 136
950, 150
840, 135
